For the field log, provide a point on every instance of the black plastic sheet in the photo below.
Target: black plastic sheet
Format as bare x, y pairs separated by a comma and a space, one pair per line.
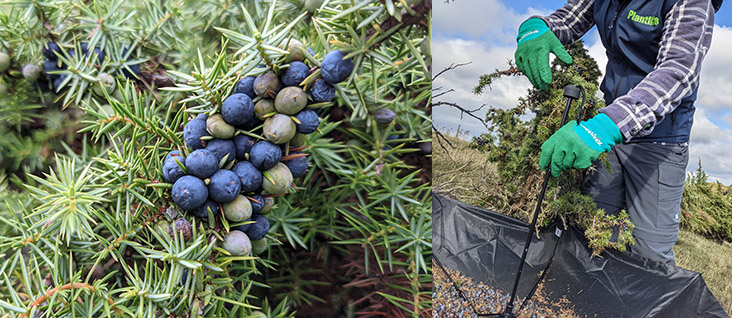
487, 246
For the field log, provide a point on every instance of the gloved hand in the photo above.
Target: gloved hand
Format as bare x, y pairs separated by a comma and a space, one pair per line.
535, 41
577, 146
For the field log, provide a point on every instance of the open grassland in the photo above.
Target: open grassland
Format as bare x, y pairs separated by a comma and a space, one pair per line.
465, 174
461, 172
710, 258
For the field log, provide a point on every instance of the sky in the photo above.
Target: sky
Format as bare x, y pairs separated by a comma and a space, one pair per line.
483, 33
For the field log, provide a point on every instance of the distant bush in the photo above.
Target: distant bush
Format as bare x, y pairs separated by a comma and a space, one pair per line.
707, 207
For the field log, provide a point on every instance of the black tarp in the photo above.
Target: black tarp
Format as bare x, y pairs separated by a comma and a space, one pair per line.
487, 246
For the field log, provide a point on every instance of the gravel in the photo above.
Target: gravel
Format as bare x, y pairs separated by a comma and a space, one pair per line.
448, 303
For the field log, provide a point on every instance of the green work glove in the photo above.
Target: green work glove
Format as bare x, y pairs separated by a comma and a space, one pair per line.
535, 41
577, 146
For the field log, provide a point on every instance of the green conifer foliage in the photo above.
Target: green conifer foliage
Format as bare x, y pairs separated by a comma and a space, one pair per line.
707, 207
88, 233
514, 144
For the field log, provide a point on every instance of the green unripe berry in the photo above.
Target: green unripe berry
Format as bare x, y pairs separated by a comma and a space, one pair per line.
117, 95
237, 243
279, 129
105, 82
61, 28
162, 227
219, 128
31, 72
293, 46
353, 143
258, 314
264, 106
268, 205
281, 178
259, 246
298, 140
312, 5
238, 210
4, 62
426, 47
106, 110
291, 100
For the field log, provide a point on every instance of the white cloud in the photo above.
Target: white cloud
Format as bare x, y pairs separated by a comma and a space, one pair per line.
596, 49
487, 19
704, 131
727, 119
711, 143
504, 93
715, 87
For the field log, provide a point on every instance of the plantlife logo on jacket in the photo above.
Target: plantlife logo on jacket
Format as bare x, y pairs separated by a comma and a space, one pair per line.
648, 20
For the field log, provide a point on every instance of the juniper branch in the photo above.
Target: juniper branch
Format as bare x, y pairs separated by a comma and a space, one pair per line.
463, 110
392, 24
450, 68
68, 286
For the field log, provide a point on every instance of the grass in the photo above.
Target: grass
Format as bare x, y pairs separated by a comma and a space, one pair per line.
710, 258
464, 174
461, 172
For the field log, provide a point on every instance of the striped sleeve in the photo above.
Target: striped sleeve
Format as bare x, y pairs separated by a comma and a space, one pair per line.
687, 35
572, 21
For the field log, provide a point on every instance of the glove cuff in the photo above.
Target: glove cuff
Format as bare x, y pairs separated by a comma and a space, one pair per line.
531, 29
600, 132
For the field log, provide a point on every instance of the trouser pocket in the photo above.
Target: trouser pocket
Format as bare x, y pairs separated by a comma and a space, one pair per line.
670, 193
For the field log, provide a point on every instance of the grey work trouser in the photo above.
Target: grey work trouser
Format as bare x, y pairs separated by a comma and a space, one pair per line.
647, 180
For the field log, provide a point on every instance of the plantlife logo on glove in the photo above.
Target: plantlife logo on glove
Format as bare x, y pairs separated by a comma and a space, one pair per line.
535, 42
593, 135
575, 147
531, 29
599, 133
522, 37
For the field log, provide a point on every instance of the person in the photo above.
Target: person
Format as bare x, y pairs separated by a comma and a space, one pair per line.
655, 49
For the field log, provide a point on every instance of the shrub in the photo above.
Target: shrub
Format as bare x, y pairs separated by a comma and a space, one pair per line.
91, 236
514, 144
707, 207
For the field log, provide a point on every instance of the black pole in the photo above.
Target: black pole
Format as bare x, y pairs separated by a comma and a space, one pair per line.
571, 92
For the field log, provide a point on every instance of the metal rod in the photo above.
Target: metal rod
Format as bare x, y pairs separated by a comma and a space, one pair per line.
509, 307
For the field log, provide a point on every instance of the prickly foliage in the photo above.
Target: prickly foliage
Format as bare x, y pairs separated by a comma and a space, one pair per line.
514, 143
87, 237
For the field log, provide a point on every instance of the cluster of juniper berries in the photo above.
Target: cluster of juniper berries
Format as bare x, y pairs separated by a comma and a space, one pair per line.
241, 156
